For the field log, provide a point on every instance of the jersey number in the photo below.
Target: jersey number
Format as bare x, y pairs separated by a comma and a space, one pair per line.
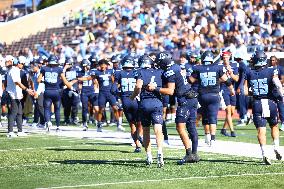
127, 84
208, 79
259, 86
51, 77
153, 81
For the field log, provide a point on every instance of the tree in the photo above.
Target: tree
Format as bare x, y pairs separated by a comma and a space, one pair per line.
48, 3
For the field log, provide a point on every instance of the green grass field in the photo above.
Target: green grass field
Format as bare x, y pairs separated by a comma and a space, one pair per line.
42, 161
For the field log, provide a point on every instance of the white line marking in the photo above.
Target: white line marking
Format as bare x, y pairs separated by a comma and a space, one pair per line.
160, 180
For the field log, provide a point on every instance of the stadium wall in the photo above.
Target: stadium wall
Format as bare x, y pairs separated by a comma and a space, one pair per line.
38, 21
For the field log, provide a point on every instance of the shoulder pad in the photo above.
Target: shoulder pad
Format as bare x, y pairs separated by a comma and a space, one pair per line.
169, 73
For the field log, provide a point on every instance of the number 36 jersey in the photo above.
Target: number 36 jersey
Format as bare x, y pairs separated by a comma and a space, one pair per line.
260, 81
208, 77
126, 80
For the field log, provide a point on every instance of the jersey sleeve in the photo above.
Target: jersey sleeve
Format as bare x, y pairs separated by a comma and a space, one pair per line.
169, 76
140, 75
42, 71
221, 71
60, 71
117, 77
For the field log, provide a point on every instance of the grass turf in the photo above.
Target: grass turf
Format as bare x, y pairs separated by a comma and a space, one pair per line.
48, 161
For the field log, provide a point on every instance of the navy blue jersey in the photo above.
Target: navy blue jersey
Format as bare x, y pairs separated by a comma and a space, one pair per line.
242, 72
260, 81
148, 76
51, 77
174, 74
104, 79
208, 77
127, 81
71, 74
235, 69
87, 86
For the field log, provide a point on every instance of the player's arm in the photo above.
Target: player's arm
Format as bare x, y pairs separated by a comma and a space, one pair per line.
68, 84
246, 87
235, 77
137, 89
278, 84
191, 79
229, 84
85, 78
169, 90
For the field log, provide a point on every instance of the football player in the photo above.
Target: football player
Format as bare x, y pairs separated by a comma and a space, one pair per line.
176, 84
151, 106
208, 76
51, 75
262, 79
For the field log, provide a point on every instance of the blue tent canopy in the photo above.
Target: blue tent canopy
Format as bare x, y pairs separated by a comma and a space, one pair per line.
25, 3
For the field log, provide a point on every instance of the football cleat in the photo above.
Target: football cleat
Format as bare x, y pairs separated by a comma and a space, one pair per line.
249, 120
278, 155
99, 129
48, 126
22, 134
224, 132
34, 125
194, 158
207, 140
160, 161
266, 160
11, 135
191, 158
140, 138
137, 150
120, 128
57, 129
85, 127
212, 143
233, 134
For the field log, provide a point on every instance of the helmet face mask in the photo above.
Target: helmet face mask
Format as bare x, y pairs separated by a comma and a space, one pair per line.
85, 63
207, 58
127, 62
53, 60
259, 59
145, 62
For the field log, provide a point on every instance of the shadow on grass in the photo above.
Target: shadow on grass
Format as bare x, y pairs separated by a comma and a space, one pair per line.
130, 163
107, 144
236, 161
87, 150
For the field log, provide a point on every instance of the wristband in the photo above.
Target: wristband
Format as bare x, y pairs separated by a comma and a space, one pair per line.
157, 89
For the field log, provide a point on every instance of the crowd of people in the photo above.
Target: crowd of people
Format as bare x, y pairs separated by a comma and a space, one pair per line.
196, 25
11, 14
178, 62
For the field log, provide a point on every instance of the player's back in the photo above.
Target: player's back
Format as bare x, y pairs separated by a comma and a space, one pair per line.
150, 76
260, 81
208, 77
127, 81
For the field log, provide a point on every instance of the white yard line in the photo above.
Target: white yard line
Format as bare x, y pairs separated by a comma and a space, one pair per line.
162, 180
